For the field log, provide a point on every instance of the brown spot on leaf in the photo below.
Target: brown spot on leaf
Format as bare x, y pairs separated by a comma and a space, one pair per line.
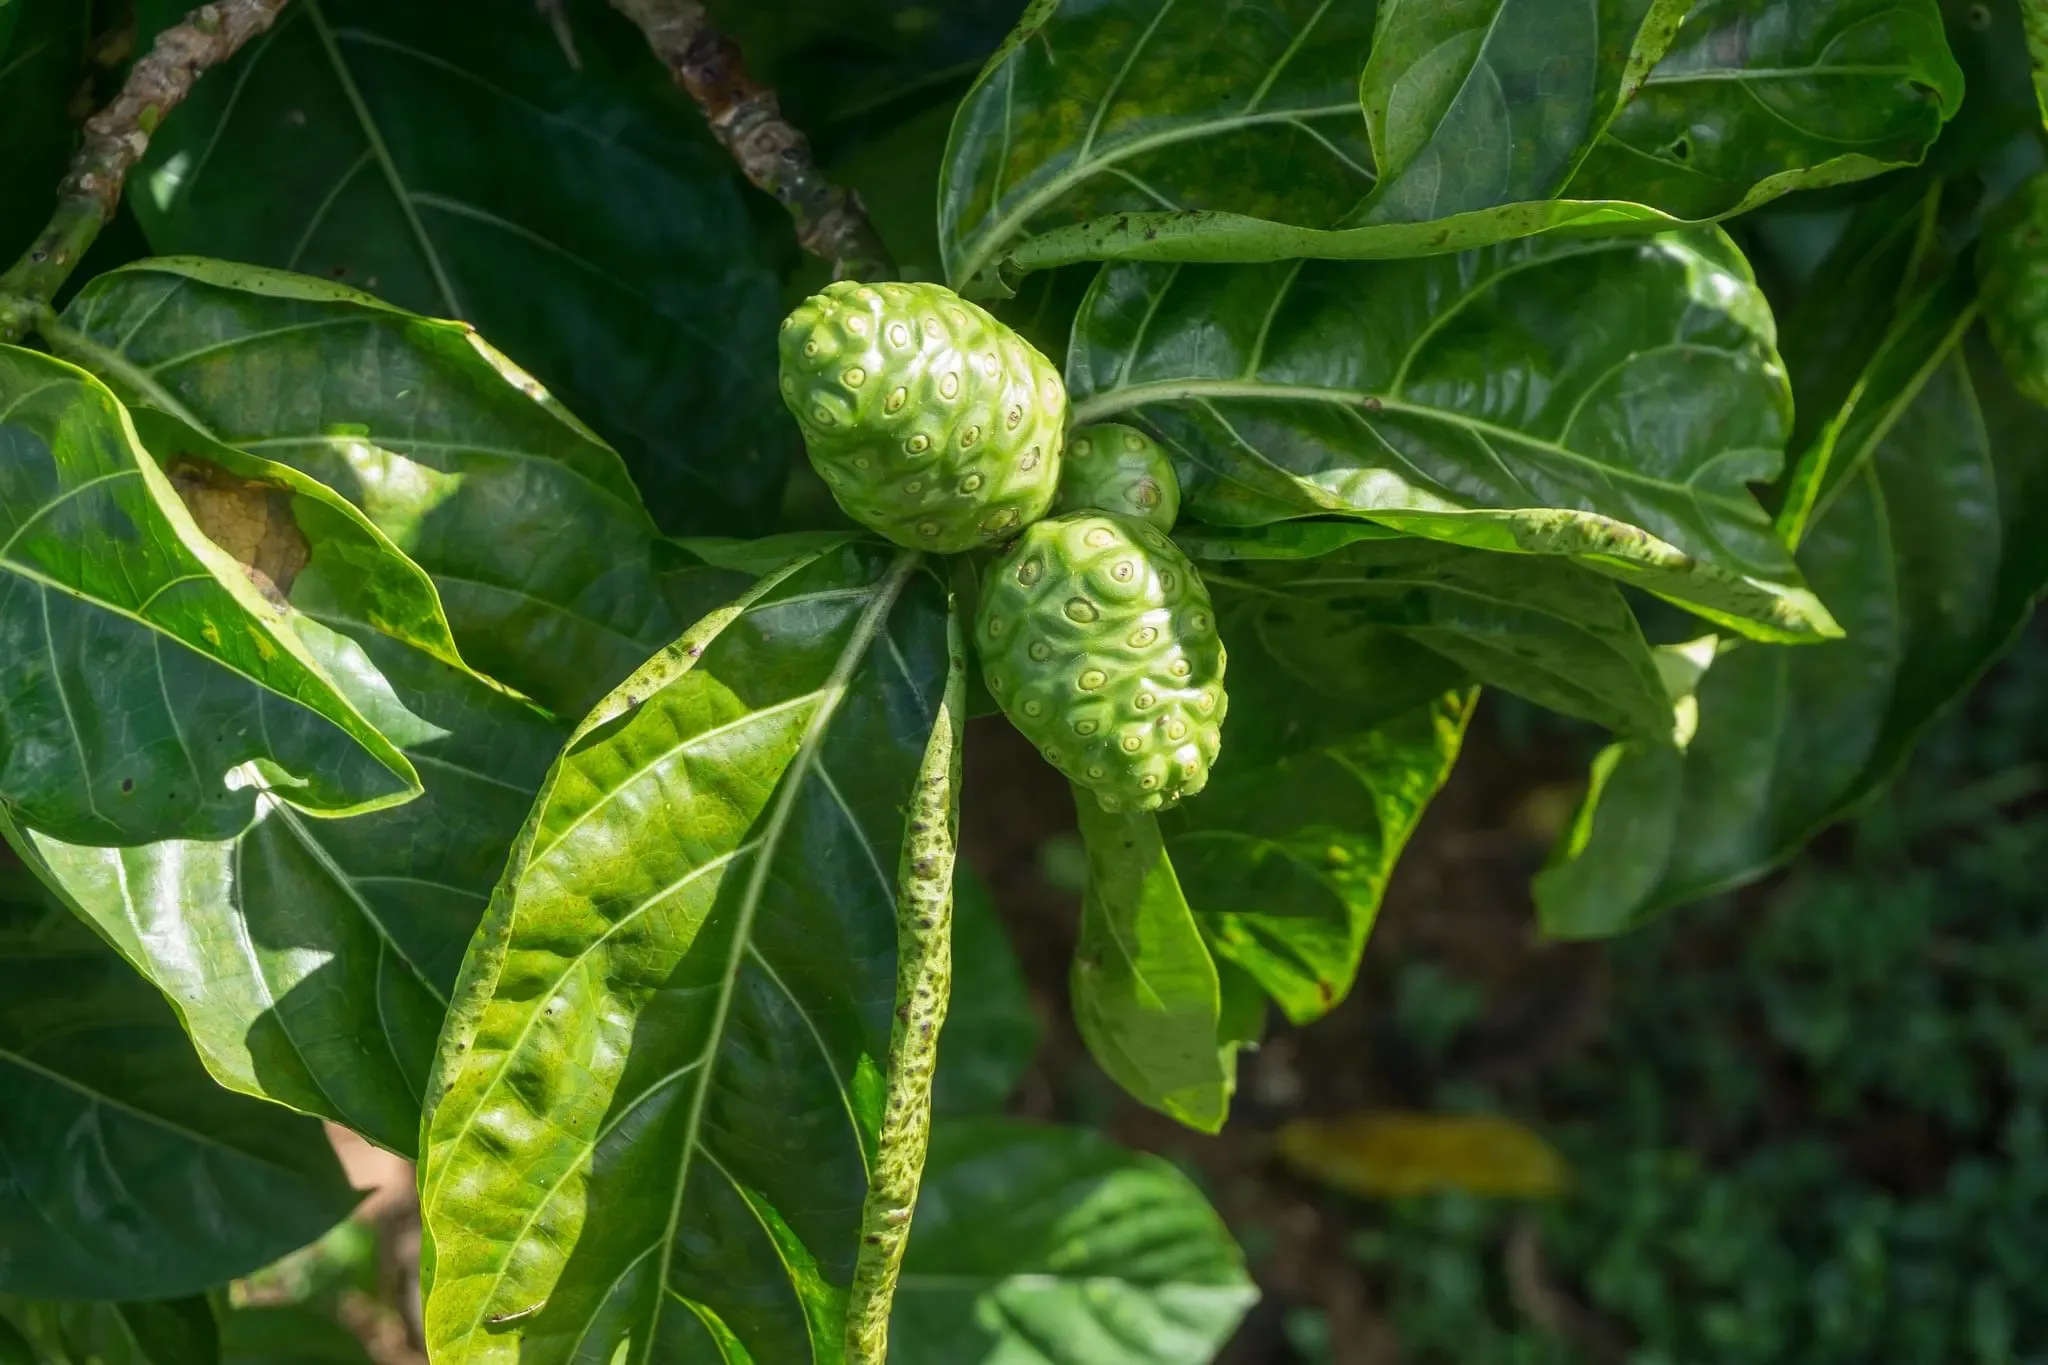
252, 521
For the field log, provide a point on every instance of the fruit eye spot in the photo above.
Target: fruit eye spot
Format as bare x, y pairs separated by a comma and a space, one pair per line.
1080, 609
1052, 391
1190, 768
1124, 571
1132, 744
1206, 701
1093, 679
970, 483
1148, 781
857, 325
928, 529
1030, 460
896, 399
1040, 650
932, 328
861, 462
1167, 582
988, 364
1133, 441
1145, 493
1016, 416
788, 384
1052, 755
1034, 707
1200, 620
1180, 668
914, 486
1143, 635
969, 437
995, 627
895, 291
1029, 572
1176, 730
949, 386
918, 444
1095, 771
957, 317
1099, 537
997, 683
899, 335
810, 348
1084, 727
854, 377
822, 416
1080, 449
1143, 701
867, 296
1001, 521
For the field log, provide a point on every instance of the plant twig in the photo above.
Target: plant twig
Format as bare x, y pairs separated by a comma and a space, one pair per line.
115, 139
746, 118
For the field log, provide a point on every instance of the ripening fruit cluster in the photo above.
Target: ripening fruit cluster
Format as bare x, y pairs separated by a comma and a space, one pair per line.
938, 427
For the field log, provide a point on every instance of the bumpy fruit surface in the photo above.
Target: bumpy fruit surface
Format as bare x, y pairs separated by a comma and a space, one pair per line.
931, 422
2012, 281
1114, 468
1098, 639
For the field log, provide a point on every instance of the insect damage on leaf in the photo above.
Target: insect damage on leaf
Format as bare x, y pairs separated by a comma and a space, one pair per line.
251, 520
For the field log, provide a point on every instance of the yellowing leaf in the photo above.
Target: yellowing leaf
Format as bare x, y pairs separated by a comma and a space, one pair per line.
1384, 1154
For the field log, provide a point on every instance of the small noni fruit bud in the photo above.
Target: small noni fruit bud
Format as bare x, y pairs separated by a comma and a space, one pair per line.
1115, 468
1098, 639
932, 423
2012, 282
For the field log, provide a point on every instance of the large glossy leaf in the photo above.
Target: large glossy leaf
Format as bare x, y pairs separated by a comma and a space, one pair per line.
1086, 139
288, 1334
1760, 97
150, 690
311, 960
42, 47
1609, 400
1548, 630
529, 525
1285, 860
1146, 997
1055, 1245
1931, 541
161, 1332
452, 160
661, 1088
991, 1031
125, 1172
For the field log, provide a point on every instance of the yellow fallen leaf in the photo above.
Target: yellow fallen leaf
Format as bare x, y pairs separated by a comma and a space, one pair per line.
1382, 1154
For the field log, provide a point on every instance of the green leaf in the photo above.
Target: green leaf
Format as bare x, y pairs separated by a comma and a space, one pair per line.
1478, 103
529, 525
1761, 97
1932, 545
312, 960
1285, 860
1545, 629
2034, 15
453, 161
1609, 400
150, 689
659, 1093
1056, 1245
42, 49
288, 1334
991, 1032
1481, 113
1091, 110
124, 1171
1146, 998
160, 1332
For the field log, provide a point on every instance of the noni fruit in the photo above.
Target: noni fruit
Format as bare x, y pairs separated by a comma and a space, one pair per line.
1115, 468
2012, 281
1098, 639
931, 422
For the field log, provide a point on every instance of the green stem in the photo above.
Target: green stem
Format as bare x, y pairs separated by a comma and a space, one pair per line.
33, 281
924, 982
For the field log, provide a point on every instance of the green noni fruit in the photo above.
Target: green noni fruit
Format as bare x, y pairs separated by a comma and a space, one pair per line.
1115, 468
931, 422
2012, 281
1098, 639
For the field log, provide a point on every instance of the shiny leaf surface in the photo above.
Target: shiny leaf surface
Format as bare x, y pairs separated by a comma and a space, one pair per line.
152, 1332
1285, 861
1609, 400
287, 1335
1056, 1245
150, 689
658, 1096
452, 160
1930, 545
1544, 629
1757, 98
1146, 997
125, 1172
529, 525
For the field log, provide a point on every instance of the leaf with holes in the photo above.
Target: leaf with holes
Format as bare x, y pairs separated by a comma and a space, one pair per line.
1157, 130
1057, 1245
1927, 534
311, 960
661, 1088
452, 160
103, 1099
531, 529
1608, 400
150, 690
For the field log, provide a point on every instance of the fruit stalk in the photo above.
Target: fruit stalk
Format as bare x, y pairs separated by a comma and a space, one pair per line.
115, 140
747, 119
